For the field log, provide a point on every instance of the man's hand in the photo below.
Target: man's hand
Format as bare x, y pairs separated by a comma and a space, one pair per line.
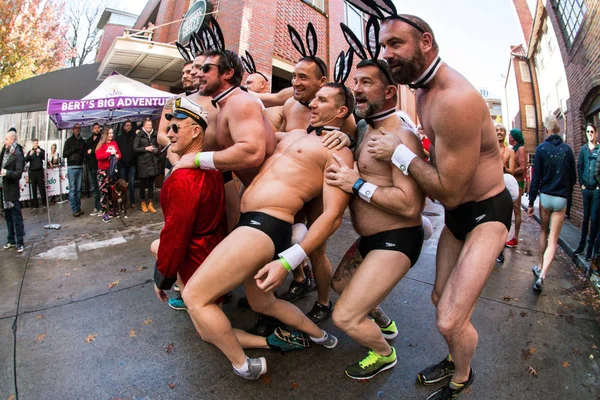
341, 175
271, 276
187, 161
30, 152
162, 296
582, 187
336, 140
89, 151
530, 211
2, 172
382, 146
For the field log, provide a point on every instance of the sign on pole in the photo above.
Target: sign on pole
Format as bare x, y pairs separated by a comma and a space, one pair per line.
192, 21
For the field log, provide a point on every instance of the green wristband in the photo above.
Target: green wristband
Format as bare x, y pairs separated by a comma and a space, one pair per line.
197, 161
285, 264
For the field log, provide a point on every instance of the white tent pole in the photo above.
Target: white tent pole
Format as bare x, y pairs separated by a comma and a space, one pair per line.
50, 224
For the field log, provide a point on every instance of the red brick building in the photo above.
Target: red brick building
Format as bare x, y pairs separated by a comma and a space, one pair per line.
261, 28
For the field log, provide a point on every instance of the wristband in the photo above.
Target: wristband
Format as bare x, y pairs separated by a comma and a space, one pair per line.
293, 256
402, 158
205, 159
197, 160
366, 191
357, 185
285, 264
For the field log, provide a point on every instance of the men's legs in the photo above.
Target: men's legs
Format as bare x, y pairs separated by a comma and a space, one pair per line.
461, 291
593, 222
18, 221
377, 275
518, 216
34, 183
321, 265
42, 183
71, 175
232, 199
587, 196
93, 178
556, 220
77, 184
10, 226
131, 182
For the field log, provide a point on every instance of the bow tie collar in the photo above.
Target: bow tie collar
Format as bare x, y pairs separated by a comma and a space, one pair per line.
427, 76
320, 129
225, 94
379, 117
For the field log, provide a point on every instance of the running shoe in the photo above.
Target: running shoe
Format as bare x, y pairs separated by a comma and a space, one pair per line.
177, 303
390, 331
578, 250
9, 245
536, 271
512, 243
452, 389
538, 286
298, 290
437, 372
94, 213
265, 325
20, 248
256, 368
283, 340
329, 341
320, 313
371, 365
106, 218
500, 258
176, 288
588, 253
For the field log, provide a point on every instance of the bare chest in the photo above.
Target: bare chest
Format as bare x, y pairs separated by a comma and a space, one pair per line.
296, 117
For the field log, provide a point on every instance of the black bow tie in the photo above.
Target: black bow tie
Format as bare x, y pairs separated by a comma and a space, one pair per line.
378, 117
190, 92
319, 129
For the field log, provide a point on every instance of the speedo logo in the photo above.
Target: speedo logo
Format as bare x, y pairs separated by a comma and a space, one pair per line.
480, 217
388, 244
253, 222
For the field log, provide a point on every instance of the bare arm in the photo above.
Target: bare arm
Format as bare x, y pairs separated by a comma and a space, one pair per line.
162, 138
275, 99
521, 156
511, 163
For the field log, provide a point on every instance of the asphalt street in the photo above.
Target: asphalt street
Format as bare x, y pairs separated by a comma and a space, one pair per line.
79, 320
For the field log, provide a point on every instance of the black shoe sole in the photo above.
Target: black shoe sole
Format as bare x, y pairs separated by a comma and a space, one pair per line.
385, 368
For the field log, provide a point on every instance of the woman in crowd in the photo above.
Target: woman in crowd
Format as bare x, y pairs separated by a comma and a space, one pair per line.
107, 173
553, 178
146, 146
53, 157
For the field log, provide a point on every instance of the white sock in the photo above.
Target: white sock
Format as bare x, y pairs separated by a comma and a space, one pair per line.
321, 339
243, 369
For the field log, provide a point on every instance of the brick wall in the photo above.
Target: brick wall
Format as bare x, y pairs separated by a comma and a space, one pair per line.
582, 66
526, 98
110, 33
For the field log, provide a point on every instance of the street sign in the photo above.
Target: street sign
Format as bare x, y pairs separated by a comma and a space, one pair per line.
192, 21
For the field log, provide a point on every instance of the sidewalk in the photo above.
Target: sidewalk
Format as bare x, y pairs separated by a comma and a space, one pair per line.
568, 240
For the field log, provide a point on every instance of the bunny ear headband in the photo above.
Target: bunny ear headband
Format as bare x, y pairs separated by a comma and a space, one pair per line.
382, 9
311, 43
373, 47
250, 66
212, 37
343, 65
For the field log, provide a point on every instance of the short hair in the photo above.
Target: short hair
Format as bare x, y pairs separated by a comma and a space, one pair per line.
343, 97
551, 124
34, 140
421, 24
322, 67
590, 125
126, 121
229, 60
95, 123
384, 69
186, 63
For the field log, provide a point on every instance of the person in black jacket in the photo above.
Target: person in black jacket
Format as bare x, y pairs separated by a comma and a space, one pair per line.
12, 163
92, 166
74, 151
553, 178
127, 163
146, 147
586, 167
35, 157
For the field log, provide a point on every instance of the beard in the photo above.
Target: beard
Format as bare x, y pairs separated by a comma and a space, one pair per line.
370, 108
209, 88
188, 84
407, 71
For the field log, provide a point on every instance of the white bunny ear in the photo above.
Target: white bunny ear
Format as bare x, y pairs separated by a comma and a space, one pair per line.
251, 61
368, 7
373, 38
386, 6
184, 52
209, 39
347, 65
338, 69
199, 40
297, 40
353, 41
311, 40
194, 46
219, 39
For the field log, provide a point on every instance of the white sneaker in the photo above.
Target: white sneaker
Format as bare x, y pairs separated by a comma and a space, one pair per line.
94, 213
256, 368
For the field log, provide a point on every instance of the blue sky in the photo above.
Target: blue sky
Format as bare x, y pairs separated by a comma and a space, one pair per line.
474, 35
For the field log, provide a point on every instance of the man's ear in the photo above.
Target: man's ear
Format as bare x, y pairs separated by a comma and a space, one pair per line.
341, 113
426, 41
322, 81
390, 91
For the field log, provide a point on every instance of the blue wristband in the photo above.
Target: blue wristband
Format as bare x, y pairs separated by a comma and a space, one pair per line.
357, 185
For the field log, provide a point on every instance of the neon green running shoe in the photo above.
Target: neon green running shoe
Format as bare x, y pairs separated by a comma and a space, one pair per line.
371, 365
390, 331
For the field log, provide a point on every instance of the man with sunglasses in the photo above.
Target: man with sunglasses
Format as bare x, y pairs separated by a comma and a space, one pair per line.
386, 211
194, 227
287, 180
465, 175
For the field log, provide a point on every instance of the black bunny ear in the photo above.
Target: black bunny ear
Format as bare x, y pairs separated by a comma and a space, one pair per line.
338, 69
199, 40
208, 36
247, 65
219, 39
184, 52
194, 46
297, 40
347, 64
368, 7
386, 6
251, 61
373, 38
311, 40
354, 42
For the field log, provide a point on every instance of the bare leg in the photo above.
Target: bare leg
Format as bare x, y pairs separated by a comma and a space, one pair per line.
557, 218
461, 291
321, 265
344, 273
235, 259
544, 231
154, 247
232, 200
518, 211
373, 281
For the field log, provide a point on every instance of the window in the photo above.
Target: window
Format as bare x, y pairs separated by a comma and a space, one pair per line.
484, 93
525, 76
355, 21
530, 115
570, 14
319, 4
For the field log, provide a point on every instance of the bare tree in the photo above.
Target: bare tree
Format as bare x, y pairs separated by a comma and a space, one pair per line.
82, 17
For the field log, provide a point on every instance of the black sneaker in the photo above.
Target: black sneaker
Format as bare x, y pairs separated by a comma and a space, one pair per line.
588, 253
319, 312
451, 390
500, 258
243, 302
298, 290
265, 325
578, 250
437, 372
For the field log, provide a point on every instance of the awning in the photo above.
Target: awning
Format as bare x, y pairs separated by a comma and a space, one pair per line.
143, 60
